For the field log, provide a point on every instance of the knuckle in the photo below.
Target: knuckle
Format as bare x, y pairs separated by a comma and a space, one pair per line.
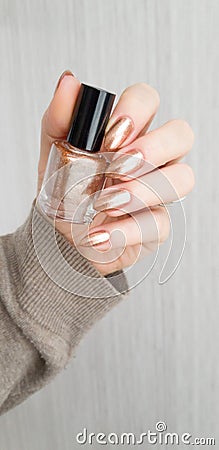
152, 92
185, 129
155, 96
141, 90
188, 177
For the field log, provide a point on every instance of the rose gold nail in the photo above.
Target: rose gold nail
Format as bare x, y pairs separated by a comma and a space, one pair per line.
125, 164
118, 133
96, 238
111, 199
64, 74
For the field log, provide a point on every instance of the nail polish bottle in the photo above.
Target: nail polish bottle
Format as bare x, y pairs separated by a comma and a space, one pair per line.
75, 170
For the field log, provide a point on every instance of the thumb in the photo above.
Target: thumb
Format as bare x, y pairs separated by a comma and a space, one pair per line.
57, 117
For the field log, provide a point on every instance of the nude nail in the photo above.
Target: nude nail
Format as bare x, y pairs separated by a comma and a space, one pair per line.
96, 238
118, 133
125, 164
112, 199
64, 74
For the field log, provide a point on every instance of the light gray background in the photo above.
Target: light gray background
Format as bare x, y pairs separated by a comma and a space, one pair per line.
155, 357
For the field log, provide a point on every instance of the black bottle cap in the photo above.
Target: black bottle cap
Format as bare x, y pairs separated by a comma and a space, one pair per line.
90, 116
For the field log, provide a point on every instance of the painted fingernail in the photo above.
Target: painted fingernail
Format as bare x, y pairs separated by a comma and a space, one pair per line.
66, 73
125, 164
112, 199
179, 200
118, 133
96, 238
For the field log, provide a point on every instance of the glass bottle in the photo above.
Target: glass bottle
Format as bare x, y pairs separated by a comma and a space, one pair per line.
75, 171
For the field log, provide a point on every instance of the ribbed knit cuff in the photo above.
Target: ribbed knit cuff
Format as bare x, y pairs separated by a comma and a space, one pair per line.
58, 294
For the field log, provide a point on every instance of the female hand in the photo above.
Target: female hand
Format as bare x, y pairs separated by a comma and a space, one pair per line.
145, 172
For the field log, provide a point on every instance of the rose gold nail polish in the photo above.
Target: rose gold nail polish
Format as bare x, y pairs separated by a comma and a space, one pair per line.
125, 164
110, 199
118, 133
95, 238
76, 169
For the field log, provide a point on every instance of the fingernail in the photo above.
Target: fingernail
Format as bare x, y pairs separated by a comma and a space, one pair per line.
112, 199
96, 238
118, 133
64, 74
125, 164
172, 203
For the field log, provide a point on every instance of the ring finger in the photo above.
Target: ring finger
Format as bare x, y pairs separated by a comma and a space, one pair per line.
141, 228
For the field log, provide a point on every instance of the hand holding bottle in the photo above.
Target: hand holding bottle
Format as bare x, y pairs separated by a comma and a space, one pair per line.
145, 172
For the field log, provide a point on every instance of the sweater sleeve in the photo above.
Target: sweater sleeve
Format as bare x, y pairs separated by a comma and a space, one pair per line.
50, 296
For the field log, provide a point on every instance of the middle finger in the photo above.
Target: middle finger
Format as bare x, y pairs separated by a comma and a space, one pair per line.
158, 147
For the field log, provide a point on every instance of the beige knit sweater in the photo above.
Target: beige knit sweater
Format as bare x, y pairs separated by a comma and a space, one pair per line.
40, 322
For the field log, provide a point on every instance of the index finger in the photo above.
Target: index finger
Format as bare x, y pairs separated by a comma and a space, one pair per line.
136, 108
